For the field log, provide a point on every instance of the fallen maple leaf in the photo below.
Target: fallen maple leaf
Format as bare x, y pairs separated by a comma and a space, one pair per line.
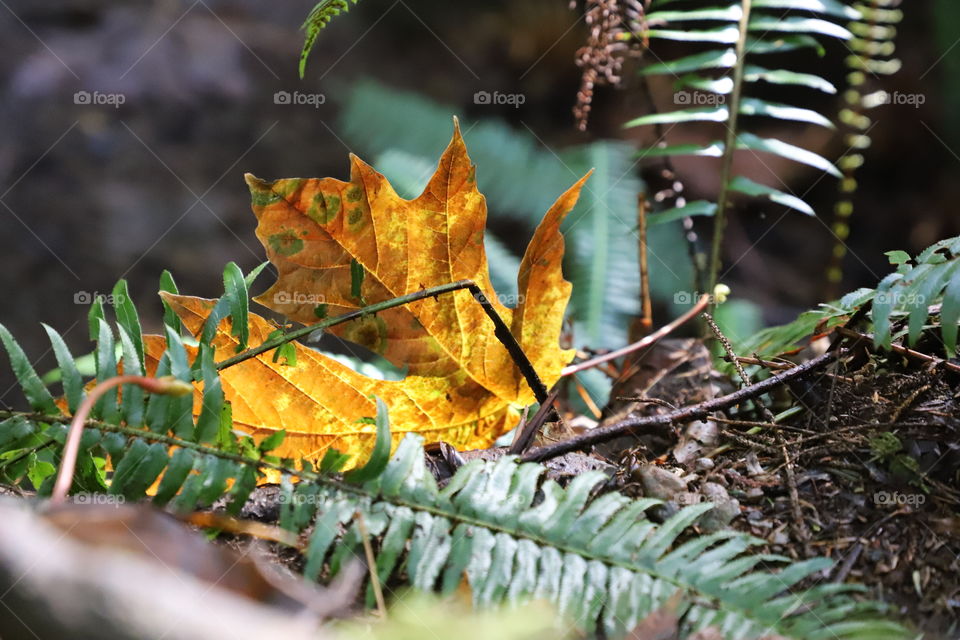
322, 234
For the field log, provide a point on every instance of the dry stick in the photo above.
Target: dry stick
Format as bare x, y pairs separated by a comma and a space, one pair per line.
526, 433
848, 563
640, 344
687, 414
747, 442
646, 305
502, 332
756, 424
904, 351
798, 523
523, 423
68, 463
766, 364
371, 565
732, 357
252, 528
587, 400
909, 401
669, 172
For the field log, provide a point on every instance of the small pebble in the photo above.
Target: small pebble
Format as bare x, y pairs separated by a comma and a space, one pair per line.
659, 483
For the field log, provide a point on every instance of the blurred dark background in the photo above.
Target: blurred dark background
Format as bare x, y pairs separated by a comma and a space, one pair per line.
90, 193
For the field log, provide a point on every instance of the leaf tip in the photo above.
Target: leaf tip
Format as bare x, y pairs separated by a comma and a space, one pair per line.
457, 135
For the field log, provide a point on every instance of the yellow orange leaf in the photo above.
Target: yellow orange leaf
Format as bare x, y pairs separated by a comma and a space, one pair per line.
462, 385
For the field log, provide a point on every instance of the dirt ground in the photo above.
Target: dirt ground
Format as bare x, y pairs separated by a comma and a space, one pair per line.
873, 461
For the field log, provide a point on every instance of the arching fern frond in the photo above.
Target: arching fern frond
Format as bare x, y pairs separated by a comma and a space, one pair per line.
318, 18
145, 438
922, 294
598, 558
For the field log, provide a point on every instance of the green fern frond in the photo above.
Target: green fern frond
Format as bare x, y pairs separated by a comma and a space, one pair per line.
922, 294
755, 28
318, 18
597, 558
133, 431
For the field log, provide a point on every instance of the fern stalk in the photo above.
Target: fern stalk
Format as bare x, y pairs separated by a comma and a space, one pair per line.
167, 386
730, 147
148, 436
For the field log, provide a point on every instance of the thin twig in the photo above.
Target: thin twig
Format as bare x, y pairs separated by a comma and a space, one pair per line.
848, 562
769, 417
528, 433
747, 442
798, 523
687, 414
346, 317
640, 344
646, 304
732, 356
501, 330
766, 364
669, 173
904, 351
645, 400
910, 399
587, 400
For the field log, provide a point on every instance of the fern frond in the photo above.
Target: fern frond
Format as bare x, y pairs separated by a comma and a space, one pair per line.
595, 555
318, 18
597, 558
902, 305
755, 28
135, 433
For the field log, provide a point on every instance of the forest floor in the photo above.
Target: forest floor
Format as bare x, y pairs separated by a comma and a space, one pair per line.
870, 477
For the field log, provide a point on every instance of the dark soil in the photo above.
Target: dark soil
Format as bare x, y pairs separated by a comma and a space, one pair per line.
875, 460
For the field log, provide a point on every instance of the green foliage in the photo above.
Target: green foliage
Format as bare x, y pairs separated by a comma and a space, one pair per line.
318, 18
713, 86
765, 36
414, 616
135, 431
946, 14
887, 448
596, 557
902, 305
